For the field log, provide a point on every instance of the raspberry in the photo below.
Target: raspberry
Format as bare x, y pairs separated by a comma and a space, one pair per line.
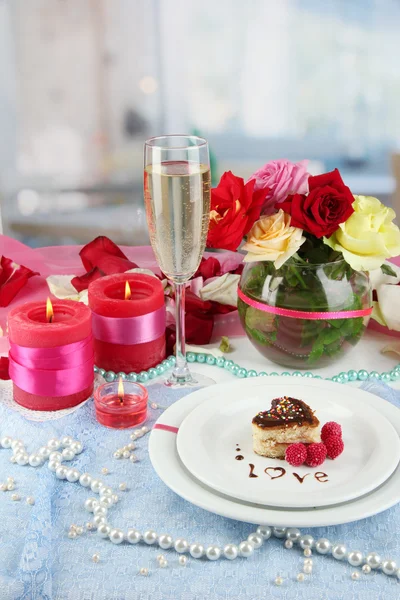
330, 428
296, 454
334, 446
316, 454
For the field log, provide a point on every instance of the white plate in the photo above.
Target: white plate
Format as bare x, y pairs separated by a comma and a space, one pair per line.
167, 464
209, 437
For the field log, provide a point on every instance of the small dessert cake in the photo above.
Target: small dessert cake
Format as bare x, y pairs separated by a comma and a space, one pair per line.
289, 421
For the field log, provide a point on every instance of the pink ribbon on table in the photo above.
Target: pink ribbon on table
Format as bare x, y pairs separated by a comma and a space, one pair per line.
129, 330
53, 372
302, 314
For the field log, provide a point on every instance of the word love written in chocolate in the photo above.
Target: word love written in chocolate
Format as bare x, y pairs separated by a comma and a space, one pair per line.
277, 472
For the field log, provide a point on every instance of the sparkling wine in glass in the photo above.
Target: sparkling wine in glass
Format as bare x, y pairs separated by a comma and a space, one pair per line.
177, 188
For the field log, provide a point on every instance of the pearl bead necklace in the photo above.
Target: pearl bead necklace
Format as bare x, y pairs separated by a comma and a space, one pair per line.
242, 373
107, 498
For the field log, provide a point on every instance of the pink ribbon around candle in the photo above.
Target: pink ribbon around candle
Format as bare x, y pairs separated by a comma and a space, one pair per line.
129, 330
302, 314
59, 371
166, 427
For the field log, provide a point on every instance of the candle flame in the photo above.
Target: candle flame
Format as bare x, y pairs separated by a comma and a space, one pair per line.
127, 290
121, 392
49, 311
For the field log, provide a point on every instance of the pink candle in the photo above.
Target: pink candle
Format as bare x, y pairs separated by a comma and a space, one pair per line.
129, 332
121, 405
51, 358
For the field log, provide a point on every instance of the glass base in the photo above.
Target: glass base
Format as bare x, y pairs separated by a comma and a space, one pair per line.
193, 380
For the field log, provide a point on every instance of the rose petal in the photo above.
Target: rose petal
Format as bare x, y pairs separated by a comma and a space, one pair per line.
388, 298
82, 282
106, 256
222, 290
209, 267
4, 364
13, 277
392, 347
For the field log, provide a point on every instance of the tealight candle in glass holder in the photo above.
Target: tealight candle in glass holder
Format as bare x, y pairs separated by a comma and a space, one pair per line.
121, 404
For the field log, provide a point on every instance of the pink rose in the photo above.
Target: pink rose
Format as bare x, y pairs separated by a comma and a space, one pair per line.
280, 178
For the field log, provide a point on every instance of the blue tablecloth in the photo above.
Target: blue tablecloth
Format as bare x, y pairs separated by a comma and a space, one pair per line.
39, 561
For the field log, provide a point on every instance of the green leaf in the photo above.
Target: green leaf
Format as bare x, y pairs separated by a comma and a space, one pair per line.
258, 336
315, 354
387, 270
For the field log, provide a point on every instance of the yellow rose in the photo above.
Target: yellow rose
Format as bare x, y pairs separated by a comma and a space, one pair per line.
273, 238
368, 236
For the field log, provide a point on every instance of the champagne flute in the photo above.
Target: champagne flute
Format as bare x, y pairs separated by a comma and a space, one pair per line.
177, 189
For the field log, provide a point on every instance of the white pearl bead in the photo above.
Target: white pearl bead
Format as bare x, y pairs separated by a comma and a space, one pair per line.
106, 501
72, 534
104, 471
246, 549
106, 491
373, 560
145, 429
288, 544
30, 500
133, 536
308, 561
89, 526
397, 573
89, 504
279, 532
150, 537
22, 459
73, 475
116, 536
12, 459
133, 458
6, 441
16, 443
355, 575
213, 552
44, 451
54, 444
122, 487
85, 480
366, 569
293, 534
231, 551
66, 441
389, 567
196, 550
143, 571
103, 530
100, 510
76, 447
68, 454
53, 465
126, 454
79, 530
117, 454
306, 541
264, 531
355, 558
96, 557
181, 545
114, 498
183, 561
278, 580
131, 446
99, 519
10, 480
307, 552
55, 456
10, 486
61, 472
256, 540
95, 485
3, 487
163, 563
165, 541
339, 551
300, 577
16, 497
323, 546
307, 569
35, 460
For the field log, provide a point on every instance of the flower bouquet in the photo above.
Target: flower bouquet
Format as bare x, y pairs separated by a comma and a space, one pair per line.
305, 296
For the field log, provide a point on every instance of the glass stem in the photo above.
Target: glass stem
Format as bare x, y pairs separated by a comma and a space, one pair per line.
181, 370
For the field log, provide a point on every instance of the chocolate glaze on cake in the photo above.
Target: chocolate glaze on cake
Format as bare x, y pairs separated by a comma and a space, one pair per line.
285, 411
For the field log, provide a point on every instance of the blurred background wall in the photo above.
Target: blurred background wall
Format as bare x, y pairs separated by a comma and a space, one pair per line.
84, 82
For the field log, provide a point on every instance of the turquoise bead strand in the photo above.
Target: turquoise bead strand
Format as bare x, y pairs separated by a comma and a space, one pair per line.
242, 373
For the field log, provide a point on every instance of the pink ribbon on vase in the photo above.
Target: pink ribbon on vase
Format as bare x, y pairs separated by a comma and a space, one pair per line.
129, 330
53, 372
302, 314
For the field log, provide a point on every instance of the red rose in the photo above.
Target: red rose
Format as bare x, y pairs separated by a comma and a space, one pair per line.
209, 267
235, 207
328, 204
13, 277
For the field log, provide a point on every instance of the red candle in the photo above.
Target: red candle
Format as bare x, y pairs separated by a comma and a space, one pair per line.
128, 322
120, 405
51, 354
